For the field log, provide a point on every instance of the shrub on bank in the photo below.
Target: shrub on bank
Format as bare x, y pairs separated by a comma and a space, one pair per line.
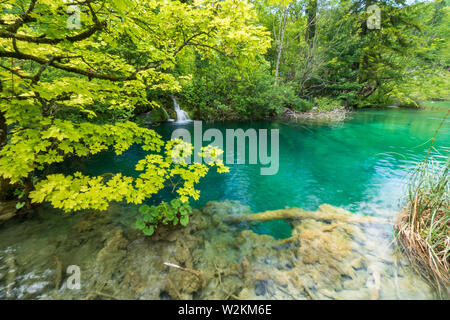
327, 104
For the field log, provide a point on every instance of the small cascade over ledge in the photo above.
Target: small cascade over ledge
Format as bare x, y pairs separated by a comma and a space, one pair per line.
182, 116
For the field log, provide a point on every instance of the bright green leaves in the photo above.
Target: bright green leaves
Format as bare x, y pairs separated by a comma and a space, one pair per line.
58, 83
148, 231
173, 213
184, 174
147, 223
184, 220
77, 192
19, 194
137, 51
212, 156
32, 149
18, 160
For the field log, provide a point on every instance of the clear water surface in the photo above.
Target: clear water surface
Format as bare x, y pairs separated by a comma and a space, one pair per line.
360, 165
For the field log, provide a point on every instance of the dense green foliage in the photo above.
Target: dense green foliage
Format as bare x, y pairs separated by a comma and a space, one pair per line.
173, 213
70, 90
324, 49
72, 82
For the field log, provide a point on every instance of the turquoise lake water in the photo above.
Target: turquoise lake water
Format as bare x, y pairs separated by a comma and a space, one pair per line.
360, 164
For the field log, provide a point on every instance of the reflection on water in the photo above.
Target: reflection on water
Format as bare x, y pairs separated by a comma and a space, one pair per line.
359, 165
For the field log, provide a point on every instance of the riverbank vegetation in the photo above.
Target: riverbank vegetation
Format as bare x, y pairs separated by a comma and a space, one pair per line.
423, 226
70, 86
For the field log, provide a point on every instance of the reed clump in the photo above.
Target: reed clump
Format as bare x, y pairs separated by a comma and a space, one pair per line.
423, 226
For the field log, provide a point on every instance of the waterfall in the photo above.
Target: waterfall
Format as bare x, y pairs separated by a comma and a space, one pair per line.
182, 116
147, 117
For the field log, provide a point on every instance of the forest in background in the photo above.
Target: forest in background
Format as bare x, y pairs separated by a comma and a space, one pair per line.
322, 54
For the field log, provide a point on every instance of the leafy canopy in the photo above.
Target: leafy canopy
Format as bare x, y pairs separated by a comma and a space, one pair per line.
123, 49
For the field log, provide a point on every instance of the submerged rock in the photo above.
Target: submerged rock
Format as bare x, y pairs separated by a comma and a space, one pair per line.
332, 254
315, 117
7, 210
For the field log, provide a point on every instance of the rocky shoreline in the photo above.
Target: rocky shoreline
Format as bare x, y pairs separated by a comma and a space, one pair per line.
316, 117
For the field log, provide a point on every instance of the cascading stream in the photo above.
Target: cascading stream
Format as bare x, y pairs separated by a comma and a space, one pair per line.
182, 116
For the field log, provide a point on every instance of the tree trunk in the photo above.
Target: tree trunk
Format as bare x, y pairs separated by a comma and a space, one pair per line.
3, 130
363, 65
310, 33
5, 187
311, 12
280, 46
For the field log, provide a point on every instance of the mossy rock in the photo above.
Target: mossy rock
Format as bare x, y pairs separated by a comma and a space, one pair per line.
159, 115
7, 210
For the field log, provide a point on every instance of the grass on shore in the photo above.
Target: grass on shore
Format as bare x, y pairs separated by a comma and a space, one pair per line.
423, 226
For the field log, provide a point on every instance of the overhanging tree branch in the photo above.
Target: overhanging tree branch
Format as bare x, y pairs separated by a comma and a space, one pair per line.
42, 40
88, 73
22, 19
